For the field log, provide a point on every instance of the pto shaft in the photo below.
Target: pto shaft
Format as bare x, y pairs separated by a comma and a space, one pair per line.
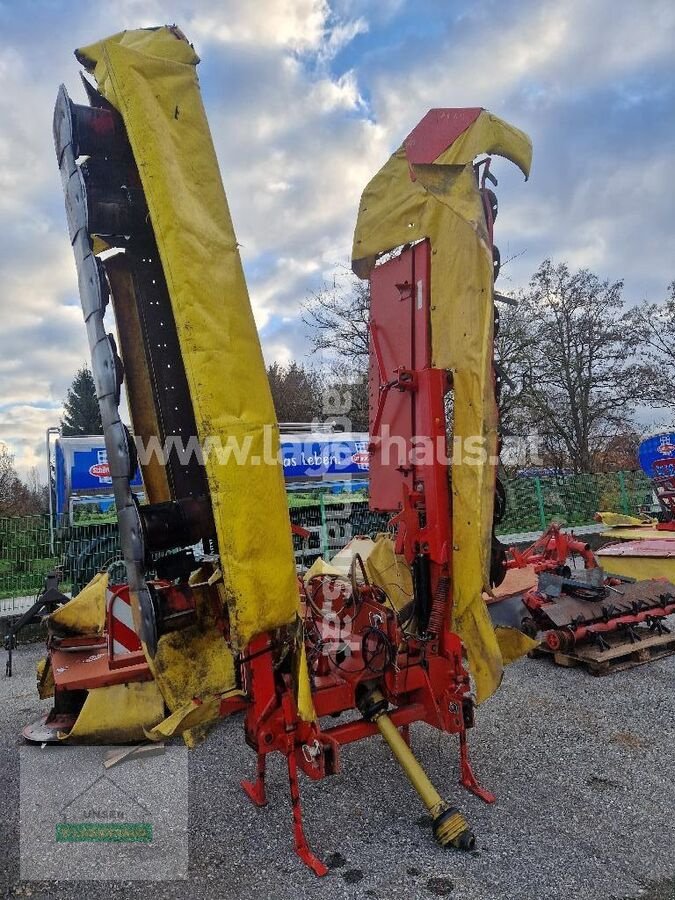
450, 826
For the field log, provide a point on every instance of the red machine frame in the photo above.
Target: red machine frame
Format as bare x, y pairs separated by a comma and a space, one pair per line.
428, 681
551, 551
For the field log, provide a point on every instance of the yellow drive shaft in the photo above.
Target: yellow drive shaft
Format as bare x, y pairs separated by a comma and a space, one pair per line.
450, 826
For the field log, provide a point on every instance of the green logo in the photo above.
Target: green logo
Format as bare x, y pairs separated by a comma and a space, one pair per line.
104, 832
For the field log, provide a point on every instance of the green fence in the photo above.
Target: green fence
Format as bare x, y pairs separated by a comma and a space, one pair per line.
28, 551
572, 499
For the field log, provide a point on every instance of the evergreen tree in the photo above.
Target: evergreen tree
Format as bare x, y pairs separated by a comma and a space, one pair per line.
81, 414
296, 392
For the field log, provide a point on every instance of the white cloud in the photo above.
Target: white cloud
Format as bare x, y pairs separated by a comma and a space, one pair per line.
342, 93
339, 35
566, 47
23, 429
299, 25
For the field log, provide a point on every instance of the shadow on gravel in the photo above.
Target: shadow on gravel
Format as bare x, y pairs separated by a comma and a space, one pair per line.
659, 890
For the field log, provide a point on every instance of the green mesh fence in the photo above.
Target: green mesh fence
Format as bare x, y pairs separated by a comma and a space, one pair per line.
28, 551
333, 520
573, 500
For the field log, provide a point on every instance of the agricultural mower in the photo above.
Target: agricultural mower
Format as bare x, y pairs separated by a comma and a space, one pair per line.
402, 635
587, 615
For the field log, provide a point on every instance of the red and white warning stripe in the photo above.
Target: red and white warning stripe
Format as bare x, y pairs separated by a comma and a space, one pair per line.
122, 635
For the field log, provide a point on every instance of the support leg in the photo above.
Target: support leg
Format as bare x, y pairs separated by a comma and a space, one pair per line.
256, 789
301, 845
467, 778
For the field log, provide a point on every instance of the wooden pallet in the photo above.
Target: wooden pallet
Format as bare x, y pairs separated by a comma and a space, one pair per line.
622, 654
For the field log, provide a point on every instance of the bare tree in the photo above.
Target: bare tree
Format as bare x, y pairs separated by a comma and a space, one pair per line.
16, 497
37, 491
8, 478
513, 341
344, 396
653, 333
565, 357
580, 380
337, 317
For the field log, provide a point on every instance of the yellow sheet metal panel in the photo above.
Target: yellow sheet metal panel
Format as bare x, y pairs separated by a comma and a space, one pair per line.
513, 643
45, 678
303, 686
640, 567
320, 567
190, 720
390, 571
641, 533
613, 519
150, 78
443, 204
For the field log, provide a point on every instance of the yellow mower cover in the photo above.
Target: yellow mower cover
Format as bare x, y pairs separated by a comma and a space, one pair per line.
406, 202
150, 77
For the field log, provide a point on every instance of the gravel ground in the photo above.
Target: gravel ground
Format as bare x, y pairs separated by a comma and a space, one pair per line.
581, 767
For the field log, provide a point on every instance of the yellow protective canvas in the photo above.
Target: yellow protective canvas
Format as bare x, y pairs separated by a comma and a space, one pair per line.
191, 664
117, 714
443, 204
150, 77
621, 520
390, 571
85, 613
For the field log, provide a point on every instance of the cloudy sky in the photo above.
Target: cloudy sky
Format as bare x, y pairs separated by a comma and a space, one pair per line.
306, 99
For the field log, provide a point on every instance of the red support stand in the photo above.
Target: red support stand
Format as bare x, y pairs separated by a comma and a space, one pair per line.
301, 845
256, 789
466, 776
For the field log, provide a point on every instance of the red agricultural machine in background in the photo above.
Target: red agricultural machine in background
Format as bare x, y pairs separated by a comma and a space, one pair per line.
551, 553
586, 615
